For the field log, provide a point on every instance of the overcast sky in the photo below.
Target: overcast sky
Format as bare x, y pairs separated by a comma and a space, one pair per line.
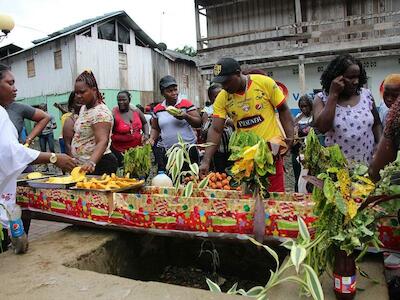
171, 22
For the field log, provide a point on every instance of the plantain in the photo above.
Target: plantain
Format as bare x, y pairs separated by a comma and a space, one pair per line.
174, 111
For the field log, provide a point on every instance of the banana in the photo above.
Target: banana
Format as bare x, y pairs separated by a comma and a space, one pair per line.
174, 111
34, 175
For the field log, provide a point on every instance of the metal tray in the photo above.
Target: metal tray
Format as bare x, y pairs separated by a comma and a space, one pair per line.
42, 184
133, 186
23, 178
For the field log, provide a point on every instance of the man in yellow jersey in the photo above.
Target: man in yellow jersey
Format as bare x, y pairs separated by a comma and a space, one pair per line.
250, 101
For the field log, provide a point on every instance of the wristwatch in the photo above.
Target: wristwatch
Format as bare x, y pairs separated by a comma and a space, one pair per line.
53, 158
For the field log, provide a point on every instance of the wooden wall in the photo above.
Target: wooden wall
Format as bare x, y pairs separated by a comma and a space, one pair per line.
185, 73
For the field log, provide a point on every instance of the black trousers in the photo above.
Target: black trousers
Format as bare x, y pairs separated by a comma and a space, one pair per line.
108, 164
4, 243
220, 162
160, 158
119, 156
296, 170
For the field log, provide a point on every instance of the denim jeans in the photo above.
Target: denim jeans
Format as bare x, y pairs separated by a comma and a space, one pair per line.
62, 145
46, 139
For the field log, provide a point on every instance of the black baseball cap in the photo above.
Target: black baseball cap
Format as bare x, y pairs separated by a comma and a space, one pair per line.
224, 68
167, 81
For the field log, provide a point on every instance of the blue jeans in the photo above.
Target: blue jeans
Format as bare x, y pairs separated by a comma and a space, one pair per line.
46, 139
62, 145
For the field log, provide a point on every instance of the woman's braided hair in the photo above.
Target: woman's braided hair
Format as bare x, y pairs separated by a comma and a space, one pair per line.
88, 78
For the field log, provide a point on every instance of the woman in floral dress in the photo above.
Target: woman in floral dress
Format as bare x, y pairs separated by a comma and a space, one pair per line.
345, 111
92, 130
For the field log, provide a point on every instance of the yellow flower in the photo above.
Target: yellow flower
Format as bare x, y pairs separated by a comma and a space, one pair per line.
360, 190
240, 165
344, 182
351, 208
236, 168
249, 168
250, 153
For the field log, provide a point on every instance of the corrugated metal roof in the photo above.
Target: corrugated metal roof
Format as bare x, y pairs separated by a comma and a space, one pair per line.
140, 34
180, 56
11, 47
71, 28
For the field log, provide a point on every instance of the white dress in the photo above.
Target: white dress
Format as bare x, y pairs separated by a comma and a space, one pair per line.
14, 158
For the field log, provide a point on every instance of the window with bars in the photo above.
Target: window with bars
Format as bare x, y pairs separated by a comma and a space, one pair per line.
57, 60
30, 66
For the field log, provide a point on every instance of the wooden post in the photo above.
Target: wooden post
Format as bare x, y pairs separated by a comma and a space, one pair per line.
297, 6
302, 75
198, 31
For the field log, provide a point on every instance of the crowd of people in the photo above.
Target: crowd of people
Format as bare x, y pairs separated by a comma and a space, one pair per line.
95, 137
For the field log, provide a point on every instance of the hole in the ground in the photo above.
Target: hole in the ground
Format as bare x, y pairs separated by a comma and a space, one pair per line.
178, 261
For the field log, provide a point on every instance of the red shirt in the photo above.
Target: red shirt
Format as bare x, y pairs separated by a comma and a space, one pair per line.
125, 135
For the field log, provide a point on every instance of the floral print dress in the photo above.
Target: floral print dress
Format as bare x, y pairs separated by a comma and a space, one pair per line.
83, 142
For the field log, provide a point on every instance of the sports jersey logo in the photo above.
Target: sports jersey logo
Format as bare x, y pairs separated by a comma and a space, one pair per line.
250, 121
217, 70
259, 106
246, 108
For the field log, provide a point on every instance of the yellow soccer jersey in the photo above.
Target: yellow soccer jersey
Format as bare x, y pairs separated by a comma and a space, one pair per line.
256, 111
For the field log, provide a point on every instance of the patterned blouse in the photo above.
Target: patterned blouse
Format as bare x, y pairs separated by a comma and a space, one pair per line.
83, 142
352, 129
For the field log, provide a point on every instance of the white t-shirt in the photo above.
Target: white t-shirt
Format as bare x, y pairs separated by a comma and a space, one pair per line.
171, 126
209, 110
383, 111
148, 119
13, 160
304, 120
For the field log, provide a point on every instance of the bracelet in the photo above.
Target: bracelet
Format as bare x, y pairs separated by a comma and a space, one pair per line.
92, 163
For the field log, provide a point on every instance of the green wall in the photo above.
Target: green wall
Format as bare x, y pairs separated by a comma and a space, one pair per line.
110, 97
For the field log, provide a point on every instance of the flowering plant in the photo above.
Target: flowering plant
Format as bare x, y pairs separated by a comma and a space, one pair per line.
254, 161
338, 195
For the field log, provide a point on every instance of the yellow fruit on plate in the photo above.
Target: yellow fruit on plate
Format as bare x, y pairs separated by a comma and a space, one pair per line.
61, 180
77, 174
34, 175
108, 183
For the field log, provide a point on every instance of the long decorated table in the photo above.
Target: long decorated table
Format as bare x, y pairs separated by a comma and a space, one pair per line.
207, 213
